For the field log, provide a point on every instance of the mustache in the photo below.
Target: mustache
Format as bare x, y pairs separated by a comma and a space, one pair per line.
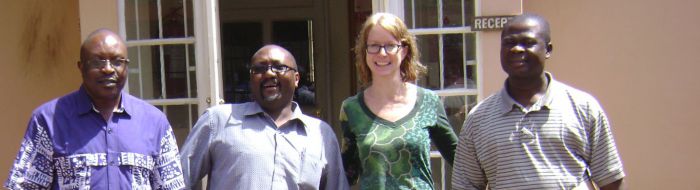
273, 81
112, 78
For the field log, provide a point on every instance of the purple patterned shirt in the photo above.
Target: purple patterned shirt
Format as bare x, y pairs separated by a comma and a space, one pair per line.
68, 145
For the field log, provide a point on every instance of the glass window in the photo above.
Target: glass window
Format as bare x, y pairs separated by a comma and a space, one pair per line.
180, 119
430, 57
448, 53
243, 39
425, 14
159, 36
447, 46
158, 19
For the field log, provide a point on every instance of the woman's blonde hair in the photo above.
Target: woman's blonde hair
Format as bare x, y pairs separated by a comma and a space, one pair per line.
410, 67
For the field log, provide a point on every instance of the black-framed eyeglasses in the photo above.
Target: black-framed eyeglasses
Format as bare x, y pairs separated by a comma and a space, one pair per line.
278, 69
388, 48
102, 63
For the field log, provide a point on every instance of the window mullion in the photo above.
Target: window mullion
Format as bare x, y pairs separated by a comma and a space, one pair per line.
440, 14
447, 30
413, 13
161, 41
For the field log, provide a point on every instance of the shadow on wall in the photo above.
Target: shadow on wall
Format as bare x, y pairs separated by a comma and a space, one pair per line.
42, 37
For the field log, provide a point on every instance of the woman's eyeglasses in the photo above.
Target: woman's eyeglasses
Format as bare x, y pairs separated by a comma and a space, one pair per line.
388, 48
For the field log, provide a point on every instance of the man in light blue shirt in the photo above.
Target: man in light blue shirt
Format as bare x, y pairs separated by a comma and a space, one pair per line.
265, 144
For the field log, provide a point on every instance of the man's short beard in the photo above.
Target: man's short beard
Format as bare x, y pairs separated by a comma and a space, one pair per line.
272, 98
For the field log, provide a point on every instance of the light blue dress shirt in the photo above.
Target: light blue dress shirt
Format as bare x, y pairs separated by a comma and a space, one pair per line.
239, 147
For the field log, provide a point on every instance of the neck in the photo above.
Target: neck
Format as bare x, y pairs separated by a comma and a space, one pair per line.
106, 106
280, 115
527, 91
389, 90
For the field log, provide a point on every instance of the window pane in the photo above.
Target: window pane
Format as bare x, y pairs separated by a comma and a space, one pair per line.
194, 114
408, 13
429, 51
437, 171
142, 79
181, 117
173, 18
141, 19
193, 71
156, 82
470, 56
239, 41
147, 74
470, 42
134, 84
468, 12
175, 62
294, 36
452, 13
471, 77
471, 102
130, 19
190, 19
453, 62
426, 14
457, 108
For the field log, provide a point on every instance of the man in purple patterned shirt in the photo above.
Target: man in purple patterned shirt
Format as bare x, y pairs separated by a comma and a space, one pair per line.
98, 137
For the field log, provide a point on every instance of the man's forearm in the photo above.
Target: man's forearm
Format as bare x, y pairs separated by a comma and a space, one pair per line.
613, 186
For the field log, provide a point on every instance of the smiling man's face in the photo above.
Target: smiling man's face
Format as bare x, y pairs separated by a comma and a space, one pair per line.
525, 47
273, 90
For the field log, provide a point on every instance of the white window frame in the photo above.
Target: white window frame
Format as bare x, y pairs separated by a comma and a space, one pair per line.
396, 7
207, 54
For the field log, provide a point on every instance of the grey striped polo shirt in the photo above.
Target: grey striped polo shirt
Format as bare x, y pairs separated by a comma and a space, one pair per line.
557, 143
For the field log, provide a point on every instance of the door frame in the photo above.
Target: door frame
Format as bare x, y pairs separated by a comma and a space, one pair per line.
208, 53
296, 10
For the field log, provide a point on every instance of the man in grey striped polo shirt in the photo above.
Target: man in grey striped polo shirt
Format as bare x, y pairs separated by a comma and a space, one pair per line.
536, 133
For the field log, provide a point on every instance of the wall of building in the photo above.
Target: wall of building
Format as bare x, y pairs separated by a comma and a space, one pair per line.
639, 58
96, 14
40, 50
489, 43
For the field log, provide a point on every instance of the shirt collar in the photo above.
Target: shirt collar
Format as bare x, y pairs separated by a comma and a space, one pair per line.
85, 104
507, 103
296, 114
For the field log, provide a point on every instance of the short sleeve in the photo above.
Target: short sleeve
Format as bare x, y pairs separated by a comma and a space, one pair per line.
33, 168
605, 163
467, 172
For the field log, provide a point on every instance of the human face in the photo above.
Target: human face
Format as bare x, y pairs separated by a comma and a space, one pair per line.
524, 49
384, 63
104, 81
273, 90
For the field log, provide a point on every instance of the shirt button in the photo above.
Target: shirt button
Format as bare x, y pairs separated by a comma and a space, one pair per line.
109, 130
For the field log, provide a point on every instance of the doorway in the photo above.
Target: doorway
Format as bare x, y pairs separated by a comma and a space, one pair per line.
240, 40
315, 31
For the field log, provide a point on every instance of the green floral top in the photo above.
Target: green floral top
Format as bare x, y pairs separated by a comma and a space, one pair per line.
394, 155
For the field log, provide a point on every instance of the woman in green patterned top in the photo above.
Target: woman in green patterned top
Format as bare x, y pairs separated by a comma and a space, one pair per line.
388, 127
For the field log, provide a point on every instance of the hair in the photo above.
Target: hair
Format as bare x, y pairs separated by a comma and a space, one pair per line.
101, 33
543, 30
410, 67
286, 52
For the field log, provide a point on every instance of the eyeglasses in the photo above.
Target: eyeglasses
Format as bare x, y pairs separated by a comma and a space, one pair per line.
278, 69
102, 63
388, 48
